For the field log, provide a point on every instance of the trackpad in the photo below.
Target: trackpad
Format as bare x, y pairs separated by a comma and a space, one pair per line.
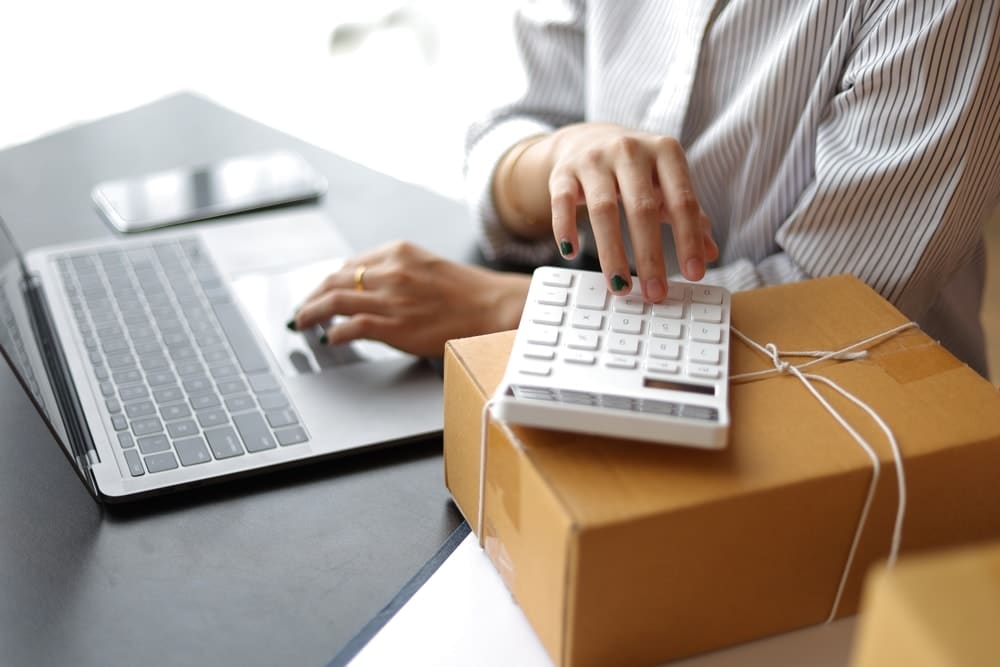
270, 297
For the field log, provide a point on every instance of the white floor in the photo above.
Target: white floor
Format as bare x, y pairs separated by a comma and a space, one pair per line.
396, 98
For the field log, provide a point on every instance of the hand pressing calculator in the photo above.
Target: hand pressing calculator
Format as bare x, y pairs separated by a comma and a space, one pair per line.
588, 361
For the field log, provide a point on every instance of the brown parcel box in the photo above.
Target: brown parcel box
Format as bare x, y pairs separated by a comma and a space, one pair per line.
938, 610
624, 553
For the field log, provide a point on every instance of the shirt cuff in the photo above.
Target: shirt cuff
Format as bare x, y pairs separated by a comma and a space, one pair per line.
496, 242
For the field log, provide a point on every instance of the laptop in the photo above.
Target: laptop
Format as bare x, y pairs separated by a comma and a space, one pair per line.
163, 362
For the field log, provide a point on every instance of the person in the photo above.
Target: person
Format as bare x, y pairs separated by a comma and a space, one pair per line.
743, 142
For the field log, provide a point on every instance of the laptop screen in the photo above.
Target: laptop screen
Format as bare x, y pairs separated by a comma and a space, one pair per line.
17, 336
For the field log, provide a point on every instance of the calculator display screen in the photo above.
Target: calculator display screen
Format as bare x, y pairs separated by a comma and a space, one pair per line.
679, 386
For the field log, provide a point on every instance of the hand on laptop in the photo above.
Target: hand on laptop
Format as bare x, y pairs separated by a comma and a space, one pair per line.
407, 297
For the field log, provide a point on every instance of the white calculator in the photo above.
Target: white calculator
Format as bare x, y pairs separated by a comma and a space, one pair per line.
588, 361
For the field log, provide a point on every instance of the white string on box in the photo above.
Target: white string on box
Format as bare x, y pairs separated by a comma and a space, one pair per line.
782, 367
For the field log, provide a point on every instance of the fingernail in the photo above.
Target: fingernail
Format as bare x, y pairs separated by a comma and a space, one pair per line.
695, 269
618, 283
324, 340
566, 248
654, 290
291, 325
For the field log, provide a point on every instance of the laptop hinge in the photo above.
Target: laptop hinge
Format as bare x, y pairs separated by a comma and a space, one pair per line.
77, 431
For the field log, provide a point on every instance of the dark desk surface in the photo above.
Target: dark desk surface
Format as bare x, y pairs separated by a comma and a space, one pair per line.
283, 568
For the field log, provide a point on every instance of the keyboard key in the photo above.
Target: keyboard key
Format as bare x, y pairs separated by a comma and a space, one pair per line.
113, 405
255, 433
174, 411
272, 400
167, 395
662, 367
583, 340
556, 278
192, 451
586, 320
541, 352
140, 409
631, 304
212, 418
669, 309
244, 345
281, 417
240, 403
626, 324
214, 355
663, 328
705, 354
161, 462
706, 333
182, 429
147, 426
623, 344
223, 371
579, 357
553, 297
224, 442
204, 401
189, 368
591, 292
197, 385
619, 361
263, 382
133, 392
706, 294
701, 312
126, 376
119, 423
119, 360
664, 349
125, 440
543, 335
153, 362
231, 386
154, 443
291, 436
160, 378
552, 316
134, 463
107, 389
704, 371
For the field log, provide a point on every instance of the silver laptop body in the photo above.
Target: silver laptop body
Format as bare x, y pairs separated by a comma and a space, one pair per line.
164, 362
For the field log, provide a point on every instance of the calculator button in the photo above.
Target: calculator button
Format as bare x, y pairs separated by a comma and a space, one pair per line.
631, 304
552, 316
583, 340
703, 371
704, 354
584, 320
591, 292
677, 292
672, 309
534, 368
663, 328
664, 367
706, 294
579, 357
626, 324
539, 352
557, 278
706, 333
553, 297
624, 344
543, 335
618, 361
702, 312
664, 349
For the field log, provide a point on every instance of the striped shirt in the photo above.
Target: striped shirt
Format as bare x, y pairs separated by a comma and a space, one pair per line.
822, 136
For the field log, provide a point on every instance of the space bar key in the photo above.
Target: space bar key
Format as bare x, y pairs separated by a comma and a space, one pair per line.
244, 344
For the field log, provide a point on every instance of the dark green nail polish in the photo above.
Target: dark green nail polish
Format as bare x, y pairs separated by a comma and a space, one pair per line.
323, 340
291, 325
566, 248
618, 283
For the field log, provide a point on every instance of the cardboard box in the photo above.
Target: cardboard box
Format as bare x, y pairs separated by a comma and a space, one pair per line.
625, 553
939, 610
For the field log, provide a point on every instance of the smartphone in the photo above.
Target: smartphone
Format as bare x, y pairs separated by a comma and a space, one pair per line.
198, 193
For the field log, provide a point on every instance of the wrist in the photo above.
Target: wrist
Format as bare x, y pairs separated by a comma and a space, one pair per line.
520, 188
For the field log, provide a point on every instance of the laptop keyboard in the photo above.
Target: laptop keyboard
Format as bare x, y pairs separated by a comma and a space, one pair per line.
182, 378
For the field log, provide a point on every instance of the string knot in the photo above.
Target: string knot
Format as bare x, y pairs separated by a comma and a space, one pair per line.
780, 364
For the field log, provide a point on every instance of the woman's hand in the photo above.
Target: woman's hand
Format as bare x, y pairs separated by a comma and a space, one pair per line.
597, 165
413, 300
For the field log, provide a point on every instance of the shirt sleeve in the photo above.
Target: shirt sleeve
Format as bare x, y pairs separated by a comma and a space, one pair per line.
907, 157
550, 40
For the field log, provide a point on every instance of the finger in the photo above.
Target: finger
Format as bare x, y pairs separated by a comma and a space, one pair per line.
339, 302
363, 326
602, 203
564, 191
711, 247
643, 208
682, 207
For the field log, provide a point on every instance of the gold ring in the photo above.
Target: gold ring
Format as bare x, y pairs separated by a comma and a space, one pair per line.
359, 278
